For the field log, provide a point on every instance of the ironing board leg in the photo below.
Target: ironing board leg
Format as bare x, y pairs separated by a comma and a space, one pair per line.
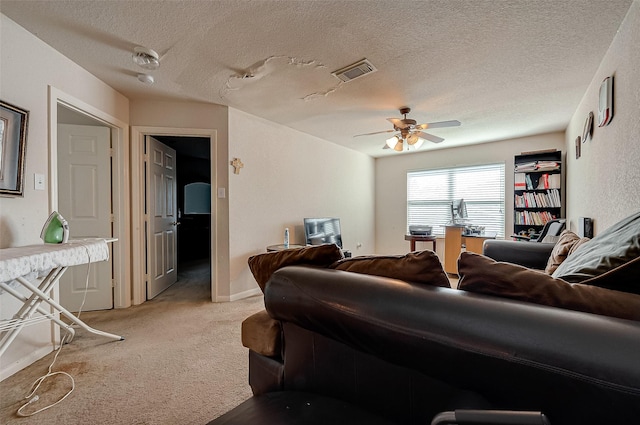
64, 311
25, 317
29, 305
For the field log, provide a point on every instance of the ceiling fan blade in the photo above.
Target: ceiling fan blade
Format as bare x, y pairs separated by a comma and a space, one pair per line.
386, 146
430, 137
398, 123
375, 132
439, 124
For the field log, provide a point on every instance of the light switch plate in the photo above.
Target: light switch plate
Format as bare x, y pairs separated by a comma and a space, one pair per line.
221, 193
38, 181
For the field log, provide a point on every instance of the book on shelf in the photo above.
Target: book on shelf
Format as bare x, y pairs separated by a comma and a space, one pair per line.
547, 166
549, 181
531, 166
525, 166
519, 182
548, 199
533, 218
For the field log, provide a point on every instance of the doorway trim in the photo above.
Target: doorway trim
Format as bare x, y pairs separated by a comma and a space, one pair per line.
119, 188
138, 134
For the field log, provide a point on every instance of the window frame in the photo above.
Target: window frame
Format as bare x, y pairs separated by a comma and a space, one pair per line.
449, 188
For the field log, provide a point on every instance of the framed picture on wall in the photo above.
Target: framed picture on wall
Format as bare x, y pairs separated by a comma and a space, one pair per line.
13, 140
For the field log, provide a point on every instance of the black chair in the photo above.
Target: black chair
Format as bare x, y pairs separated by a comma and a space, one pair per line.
551, 228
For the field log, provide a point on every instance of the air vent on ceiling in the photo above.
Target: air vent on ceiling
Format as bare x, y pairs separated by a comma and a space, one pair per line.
354, 71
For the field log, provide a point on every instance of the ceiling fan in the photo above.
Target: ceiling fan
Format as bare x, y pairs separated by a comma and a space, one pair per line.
410, 133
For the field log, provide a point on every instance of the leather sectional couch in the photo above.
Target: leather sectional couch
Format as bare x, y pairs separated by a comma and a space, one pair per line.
404, 350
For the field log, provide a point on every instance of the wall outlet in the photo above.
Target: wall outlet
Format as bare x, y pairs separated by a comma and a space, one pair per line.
38, 181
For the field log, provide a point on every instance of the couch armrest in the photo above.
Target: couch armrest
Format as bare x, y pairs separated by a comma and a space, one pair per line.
533, 255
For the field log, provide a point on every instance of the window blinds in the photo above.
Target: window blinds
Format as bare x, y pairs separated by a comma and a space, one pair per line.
430, 193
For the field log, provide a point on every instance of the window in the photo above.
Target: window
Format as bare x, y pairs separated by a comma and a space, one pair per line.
430, 193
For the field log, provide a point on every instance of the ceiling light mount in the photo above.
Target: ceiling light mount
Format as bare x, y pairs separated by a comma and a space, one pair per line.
146, 79
146, 58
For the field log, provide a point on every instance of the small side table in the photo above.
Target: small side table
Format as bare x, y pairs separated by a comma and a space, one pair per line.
420, 238
280, 247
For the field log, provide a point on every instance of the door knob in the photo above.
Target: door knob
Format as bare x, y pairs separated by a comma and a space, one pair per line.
175, 223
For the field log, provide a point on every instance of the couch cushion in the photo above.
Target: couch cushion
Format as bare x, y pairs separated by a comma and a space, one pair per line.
565, 245
263, 265
262, 334
419, 266
483, 275
606, 253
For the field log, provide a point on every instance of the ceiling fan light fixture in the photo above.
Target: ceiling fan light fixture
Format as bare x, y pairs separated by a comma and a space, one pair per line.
418, 143
399, 147
146, 58
392, 141
412, 139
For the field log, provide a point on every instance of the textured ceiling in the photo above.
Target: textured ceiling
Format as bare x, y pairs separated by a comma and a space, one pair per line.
504, 68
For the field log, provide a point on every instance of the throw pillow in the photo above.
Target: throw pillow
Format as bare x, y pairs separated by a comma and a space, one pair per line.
419, 266
264, 265
607, 252
563, 247
484, 275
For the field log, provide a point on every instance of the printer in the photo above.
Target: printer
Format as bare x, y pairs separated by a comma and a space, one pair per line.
420, 230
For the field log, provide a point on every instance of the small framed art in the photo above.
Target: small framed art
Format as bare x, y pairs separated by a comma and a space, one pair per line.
13, 140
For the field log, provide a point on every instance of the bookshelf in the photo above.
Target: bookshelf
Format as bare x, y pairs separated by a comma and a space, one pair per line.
538, 195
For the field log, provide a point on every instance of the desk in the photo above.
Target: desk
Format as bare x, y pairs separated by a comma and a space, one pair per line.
420, 238
22, 265
454, 241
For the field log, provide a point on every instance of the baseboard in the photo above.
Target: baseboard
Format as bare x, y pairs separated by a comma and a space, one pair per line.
241, 295
8, 370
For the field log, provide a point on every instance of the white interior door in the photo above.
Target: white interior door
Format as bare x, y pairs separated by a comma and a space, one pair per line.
84, 200
162, 218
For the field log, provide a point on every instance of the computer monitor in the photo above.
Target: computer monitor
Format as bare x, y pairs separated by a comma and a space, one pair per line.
318, 231
458, 211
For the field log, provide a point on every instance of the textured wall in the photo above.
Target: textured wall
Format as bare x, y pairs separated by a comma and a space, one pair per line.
287, 176
25, 84
605, 182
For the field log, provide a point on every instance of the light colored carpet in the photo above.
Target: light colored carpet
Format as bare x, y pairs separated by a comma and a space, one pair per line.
182, 363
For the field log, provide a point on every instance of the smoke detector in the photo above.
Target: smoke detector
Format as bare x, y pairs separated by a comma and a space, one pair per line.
355, 70
146, 79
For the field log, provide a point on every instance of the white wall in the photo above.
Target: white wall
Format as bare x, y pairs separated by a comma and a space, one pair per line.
26, 85
289, 175
604, 183
391, 182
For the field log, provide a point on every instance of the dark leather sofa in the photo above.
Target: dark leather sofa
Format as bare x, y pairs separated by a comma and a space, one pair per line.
398, 351
406, 351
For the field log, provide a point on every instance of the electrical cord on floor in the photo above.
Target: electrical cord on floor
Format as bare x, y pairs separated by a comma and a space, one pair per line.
32, 396
34, 387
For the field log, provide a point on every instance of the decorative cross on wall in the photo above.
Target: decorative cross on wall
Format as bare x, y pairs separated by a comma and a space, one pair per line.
237, 165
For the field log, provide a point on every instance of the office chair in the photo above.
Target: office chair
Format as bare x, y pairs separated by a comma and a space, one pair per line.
552, 229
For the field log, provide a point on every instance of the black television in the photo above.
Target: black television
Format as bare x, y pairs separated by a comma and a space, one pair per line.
319, 231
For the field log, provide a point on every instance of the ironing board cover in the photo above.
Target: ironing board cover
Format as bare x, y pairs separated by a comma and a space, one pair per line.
39, 259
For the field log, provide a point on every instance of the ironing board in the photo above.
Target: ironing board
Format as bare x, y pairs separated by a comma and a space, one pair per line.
22, 266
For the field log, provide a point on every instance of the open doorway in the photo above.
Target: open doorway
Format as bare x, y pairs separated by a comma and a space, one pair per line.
84, 188
193, 184
66, 109
140, 238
